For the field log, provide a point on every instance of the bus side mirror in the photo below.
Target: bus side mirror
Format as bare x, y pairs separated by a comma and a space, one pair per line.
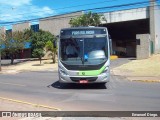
110, 45
57, 36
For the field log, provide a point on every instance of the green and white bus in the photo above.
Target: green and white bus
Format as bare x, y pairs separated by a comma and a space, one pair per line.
84, 55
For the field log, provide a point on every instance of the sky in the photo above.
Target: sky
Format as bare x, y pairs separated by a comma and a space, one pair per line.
12, 11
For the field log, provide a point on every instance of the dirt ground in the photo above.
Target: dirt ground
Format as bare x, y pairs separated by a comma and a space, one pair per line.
30, 66
145, 67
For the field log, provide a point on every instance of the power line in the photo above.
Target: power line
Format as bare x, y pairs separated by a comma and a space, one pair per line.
144, 2
115, 6
13, 6
107, 7
119, 12
81, 5
78, 15
65, 8
99, 13
65, 13
111, 10
69, 7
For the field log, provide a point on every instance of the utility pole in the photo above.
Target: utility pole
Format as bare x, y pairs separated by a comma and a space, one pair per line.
152, 24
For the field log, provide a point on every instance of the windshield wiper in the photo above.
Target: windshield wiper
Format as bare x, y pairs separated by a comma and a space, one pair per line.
82, 59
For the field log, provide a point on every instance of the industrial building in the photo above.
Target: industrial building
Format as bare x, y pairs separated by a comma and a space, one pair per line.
134, 32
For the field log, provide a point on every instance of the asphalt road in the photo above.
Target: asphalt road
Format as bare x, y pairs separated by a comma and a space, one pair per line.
43, 87
117, 95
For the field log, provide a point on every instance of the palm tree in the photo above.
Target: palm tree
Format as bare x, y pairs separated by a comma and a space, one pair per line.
50, 47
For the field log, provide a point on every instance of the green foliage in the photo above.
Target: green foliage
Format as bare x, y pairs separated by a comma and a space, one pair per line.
39, 53
3, 53
39, 40
28, 34
89, 19
50, 47
13, 42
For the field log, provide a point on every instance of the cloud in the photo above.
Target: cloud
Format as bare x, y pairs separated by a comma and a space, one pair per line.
47, 9
41, 12
13, 10
15, 2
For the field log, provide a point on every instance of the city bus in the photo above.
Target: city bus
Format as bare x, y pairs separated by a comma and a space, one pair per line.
84, 55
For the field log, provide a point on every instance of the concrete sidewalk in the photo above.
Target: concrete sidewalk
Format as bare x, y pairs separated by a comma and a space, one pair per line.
144, 78
128, 74
29, 66
145, 70
13, 106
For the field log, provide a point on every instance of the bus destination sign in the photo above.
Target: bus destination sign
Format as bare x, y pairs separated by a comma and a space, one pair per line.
88, 32
75, 32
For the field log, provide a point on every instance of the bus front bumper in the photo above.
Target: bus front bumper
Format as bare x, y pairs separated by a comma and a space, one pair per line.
102, 78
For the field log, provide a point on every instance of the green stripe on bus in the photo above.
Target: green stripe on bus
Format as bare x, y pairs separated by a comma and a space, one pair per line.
91, 72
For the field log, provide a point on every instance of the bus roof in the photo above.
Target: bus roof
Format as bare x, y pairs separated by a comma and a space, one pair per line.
74, 31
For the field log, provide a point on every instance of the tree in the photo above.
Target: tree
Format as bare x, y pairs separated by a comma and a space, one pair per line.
38, 43
14, 42
2, 51
50, 47
89, 19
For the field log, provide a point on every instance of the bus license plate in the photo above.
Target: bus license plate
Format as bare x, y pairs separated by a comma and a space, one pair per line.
83, 81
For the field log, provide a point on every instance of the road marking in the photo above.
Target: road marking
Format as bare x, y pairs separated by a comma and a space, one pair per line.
28, 103
12, 84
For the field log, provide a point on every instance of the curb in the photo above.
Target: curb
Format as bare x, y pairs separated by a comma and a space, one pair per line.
9, 72
113, 57
28, 103
149, 81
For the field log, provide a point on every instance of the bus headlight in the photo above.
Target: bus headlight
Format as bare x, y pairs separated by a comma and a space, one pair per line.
105, 70
62, 71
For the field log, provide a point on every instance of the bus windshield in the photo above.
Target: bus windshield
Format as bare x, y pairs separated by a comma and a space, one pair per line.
84, 50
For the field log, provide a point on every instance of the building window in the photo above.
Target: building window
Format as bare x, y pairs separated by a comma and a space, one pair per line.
35, 27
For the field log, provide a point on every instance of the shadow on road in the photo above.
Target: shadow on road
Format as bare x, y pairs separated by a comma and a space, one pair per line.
132, 59
77, 86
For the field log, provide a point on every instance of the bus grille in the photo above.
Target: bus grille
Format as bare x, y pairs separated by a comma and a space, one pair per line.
77, 79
